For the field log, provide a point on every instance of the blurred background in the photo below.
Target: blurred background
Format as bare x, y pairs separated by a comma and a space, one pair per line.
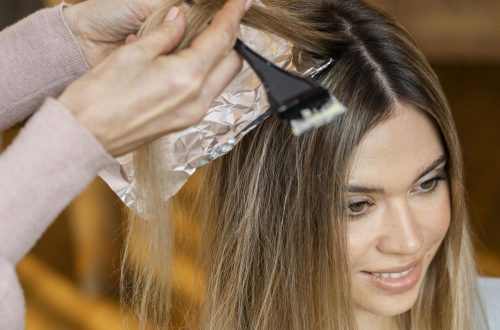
71, 276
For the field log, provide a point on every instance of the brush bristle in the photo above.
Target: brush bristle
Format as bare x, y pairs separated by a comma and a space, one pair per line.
312, 118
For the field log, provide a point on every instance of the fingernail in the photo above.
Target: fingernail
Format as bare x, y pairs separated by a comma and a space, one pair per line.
248, 4
172, 14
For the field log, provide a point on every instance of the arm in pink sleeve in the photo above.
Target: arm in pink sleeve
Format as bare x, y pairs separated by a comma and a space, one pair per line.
49, 163
12, 308
53, 158
39, 57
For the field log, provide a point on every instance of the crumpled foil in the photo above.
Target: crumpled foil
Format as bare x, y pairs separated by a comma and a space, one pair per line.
239, 109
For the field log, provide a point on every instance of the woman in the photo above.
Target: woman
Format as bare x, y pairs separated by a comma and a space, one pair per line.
359, 224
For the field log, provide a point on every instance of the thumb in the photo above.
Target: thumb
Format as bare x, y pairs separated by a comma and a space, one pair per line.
167, 36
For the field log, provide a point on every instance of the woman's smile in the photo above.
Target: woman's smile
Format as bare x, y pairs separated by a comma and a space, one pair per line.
396, 279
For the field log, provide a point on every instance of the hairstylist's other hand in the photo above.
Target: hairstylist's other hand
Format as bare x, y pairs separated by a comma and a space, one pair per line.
138, 93
100, 26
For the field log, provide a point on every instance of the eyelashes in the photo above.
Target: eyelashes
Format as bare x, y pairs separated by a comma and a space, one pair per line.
358, 208
431, 184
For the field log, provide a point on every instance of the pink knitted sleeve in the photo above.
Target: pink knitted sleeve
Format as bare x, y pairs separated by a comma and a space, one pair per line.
39, 57
53, 158
49, 163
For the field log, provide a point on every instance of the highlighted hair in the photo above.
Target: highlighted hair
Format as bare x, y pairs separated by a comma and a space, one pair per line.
273, 243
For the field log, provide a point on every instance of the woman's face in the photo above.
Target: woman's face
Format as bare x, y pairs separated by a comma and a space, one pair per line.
399, 209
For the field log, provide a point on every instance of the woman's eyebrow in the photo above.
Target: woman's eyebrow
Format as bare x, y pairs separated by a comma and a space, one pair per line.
365, 189
379, 190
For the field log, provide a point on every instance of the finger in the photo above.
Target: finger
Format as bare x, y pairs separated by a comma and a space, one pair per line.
130, 38
218, 79
193, 109
218, 38
166, 37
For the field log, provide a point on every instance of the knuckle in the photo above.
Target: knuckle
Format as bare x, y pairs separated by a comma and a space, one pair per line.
199, 70
172, 32
196, 70
186, 84
195, 86
178, 30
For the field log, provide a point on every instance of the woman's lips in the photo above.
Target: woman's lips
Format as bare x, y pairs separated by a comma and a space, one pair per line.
399, 281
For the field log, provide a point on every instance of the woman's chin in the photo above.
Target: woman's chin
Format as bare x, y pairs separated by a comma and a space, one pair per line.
375, 300
391, 307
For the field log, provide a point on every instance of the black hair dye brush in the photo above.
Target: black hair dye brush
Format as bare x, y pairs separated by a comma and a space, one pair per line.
300, 100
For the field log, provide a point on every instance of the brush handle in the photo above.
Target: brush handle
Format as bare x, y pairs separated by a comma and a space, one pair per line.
258, 63
280, 84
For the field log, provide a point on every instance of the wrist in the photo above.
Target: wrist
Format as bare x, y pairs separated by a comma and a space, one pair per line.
72, 16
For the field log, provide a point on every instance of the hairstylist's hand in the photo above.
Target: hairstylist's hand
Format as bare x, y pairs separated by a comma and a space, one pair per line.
100, 26
138, 93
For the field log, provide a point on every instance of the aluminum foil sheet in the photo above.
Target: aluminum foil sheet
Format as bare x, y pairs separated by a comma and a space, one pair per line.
239, 109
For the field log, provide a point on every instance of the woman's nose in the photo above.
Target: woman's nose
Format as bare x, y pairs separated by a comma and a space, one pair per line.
401, 233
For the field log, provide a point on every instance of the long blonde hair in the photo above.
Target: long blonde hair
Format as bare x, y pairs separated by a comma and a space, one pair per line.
272, 210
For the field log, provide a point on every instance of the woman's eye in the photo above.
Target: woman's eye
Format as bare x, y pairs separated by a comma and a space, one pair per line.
430, 185
357, 208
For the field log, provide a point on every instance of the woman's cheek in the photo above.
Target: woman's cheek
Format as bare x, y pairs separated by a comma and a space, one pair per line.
435, 214
361, 240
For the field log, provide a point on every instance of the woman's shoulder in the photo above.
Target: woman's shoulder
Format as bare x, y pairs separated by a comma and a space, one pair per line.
489, 288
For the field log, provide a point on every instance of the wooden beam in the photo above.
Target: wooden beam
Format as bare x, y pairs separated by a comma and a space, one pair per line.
451, 30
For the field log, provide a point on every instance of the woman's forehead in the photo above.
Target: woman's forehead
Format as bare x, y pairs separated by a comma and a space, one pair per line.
397, 149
